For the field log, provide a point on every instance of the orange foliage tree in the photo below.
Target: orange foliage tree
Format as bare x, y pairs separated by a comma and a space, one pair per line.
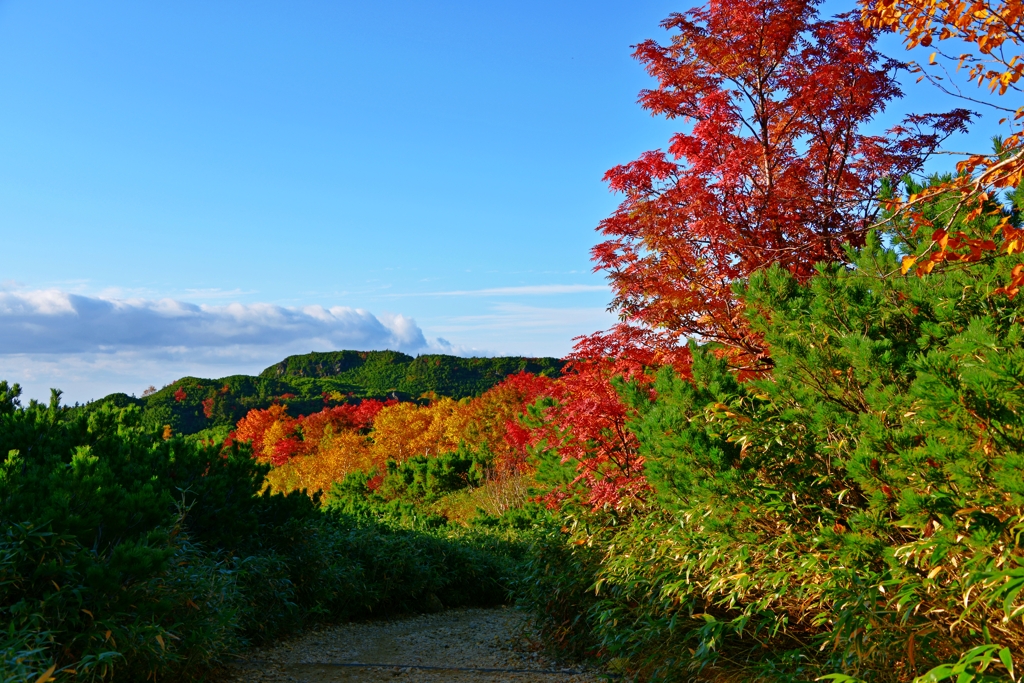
263, 429
335, 454
313, 451
987, 36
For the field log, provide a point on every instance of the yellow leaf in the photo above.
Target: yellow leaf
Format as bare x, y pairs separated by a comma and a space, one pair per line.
935, 572
88, 612
161, 641
47, 675
931, 58
908, 263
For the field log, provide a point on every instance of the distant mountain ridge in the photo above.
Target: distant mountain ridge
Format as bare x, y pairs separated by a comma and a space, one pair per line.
308, 382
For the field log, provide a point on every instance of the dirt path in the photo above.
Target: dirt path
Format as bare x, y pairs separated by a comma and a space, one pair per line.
463, 645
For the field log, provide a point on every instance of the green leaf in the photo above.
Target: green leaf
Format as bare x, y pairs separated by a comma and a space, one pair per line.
1007, 660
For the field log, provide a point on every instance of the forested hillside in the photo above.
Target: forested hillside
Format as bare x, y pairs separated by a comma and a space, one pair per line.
307, 383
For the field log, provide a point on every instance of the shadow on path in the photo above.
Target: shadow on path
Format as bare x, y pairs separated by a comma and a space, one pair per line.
463, 645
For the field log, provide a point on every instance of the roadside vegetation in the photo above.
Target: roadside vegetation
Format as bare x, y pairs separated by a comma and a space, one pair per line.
126, 556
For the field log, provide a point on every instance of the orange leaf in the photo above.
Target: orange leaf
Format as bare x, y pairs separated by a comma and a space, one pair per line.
47, 675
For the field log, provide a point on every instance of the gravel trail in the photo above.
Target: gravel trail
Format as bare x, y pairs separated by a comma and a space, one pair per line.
458, 645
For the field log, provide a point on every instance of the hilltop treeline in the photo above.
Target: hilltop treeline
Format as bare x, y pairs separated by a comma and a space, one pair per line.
309, 382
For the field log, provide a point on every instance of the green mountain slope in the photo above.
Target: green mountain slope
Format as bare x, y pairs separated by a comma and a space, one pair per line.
308, 382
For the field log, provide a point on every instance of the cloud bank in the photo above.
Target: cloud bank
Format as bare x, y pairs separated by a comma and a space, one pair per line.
55, 322
90, 346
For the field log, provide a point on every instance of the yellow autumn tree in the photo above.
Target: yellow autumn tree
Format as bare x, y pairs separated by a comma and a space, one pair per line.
403, 430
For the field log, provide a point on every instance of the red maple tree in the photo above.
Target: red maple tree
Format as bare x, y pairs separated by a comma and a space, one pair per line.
775, 167
587, 427
495, 419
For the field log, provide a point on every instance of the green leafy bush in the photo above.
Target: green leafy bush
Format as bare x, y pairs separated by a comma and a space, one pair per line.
402, 493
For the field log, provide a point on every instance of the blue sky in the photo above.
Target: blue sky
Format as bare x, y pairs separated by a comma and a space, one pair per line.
265, 178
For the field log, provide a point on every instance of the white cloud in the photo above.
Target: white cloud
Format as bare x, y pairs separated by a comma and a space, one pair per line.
89, 375
53, 321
